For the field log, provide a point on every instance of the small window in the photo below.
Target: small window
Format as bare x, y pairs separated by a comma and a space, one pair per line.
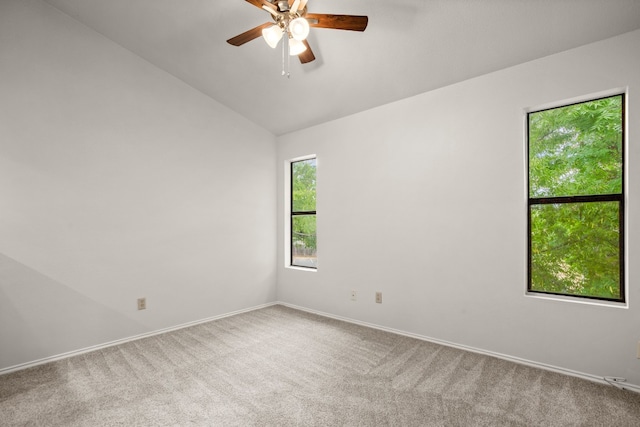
576, 200
303, 214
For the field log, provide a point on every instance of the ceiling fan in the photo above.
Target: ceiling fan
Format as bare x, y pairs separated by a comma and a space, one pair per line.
292, 21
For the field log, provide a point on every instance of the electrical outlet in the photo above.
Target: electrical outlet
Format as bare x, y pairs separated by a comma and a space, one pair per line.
354, 296
638, 355
142, 303
379, 297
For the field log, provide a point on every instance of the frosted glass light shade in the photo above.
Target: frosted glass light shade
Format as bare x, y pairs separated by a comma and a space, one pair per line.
296, 47
299, 28
272, 35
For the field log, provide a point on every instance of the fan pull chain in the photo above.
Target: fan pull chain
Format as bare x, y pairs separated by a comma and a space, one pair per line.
288, 60
283, 53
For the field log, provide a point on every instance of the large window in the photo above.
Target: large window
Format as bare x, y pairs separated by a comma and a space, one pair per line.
303, 214
576, 199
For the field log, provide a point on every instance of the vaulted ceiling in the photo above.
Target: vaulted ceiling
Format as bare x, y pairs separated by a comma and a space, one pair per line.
409, 47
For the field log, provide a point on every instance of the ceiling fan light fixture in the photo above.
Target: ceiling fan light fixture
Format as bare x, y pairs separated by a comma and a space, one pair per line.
299, 28
292, 23
272, 35
296, 47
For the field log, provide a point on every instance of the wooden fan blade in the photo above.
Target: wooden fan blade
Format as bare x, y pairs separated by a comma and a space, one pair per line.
307, 55
260, 3
338, 22
247, 36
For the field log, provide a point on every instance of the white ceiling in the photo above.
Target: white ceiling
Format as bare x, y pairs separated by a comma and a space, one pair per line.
409, 47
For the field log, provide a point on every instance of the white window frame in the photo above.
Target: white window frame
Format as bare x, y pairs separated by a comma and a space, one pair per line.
556, 104
287, 212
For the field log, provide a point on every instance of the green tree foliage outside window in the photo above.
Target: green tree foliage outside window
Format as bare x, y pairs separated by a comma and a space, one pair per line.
576, 201
303, 213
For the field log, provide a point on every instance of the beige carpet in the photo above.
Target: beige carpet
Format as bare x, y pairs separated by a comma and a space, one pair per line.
282, 367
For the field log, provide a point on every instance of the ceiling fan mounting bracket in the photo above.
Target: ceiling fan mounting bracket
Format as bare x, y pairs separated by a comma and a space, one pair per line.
283, 18
282, 5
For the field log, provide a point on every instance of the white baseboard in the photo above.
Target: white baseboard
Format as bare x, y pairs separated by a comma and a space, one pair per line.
613, 381
125, 340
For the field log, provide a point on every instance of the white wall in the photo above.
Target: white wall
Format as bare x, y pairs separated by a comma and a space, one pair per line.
425, 200
118, 181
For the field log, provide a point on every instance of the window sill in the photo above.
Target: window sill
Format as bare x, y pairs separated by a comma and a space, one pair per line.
295, 267
577, 300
